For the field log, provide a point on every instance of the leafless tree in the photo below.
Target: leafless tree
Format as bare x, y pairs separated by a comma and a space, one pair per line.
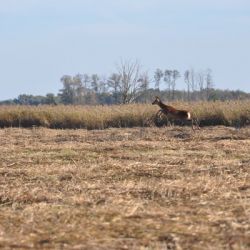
200, 78
73, 90
95, 83
86, 80
144, 79
193, 80
168, 80
103, 84
209, 82
188, 82
130, 84
157, 78
80, 90
114, 83
175, 75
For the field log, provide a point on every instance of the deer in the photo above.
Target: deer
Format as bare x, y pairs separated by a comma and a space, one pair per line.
172, 113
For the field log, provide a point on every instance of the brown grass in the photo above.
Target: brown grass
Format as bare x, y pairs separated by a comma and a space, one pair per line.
137, 188
233, 113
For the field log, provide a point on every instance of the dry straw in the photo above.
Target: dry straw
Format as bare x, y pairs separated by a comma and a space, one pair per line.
231, 113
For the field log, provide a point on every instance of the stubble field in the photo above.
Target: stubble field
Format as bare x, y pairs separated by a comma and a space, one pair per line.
134, 188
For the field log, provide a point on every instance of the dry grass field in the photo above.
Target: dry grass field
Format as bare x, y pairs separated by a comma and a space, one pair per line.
131, 188
228, 113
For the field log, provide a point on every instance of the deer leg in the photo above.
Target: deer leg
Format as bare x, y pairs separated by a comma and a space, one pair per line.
168, 122
162, 114
197, 123
193, 124
158, 117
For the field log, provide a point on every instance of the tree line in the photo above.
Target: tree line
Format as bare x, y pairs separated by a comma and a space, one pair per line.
131, 84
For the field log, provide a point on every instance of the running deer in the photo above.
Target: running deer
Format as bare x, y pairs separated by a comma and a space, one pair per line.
172, 113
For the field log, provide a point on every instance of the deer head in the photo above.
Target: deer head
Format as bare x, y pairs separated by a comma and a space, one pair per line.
156, 101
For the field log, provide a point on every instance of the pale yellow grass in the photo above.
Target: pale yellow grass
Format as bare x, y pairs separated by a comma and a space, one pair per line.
232, 113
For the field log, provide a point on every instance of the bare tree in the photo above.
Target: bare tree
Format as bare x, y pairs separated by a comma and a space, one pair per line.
200, 78
67, 94
86, 80
144, 79
175, 75
73, 90
188, 82
209, 82
103, 84
193, 80
114, 83
77, 81
157, 78
130, 85
95, 83
168, 80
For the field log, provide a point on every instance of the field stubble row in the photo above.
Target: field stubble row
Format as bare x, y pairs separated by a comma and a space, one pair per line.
134, 188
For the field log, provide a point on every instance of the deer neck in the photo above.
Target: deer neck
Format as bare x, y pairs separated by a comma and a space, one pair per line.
162, 105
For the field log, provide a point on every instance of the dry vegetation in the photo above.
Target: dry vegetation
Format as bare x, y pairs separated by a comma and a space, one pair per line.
134, 188
232, 113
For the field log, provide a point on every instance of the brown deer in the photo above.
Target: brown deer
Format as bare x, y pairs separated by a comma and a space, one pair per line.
172, 113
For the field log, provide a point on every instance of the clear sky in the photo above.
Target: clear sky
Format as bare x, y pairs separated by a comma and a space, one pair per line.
42, 40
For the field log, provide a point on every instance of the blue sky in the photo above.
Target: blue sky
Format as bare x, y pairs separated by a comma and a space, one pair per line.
42, 40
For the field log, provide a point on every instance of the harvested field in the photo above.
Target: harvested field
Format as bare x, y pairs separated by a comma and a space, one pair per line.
134, 188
